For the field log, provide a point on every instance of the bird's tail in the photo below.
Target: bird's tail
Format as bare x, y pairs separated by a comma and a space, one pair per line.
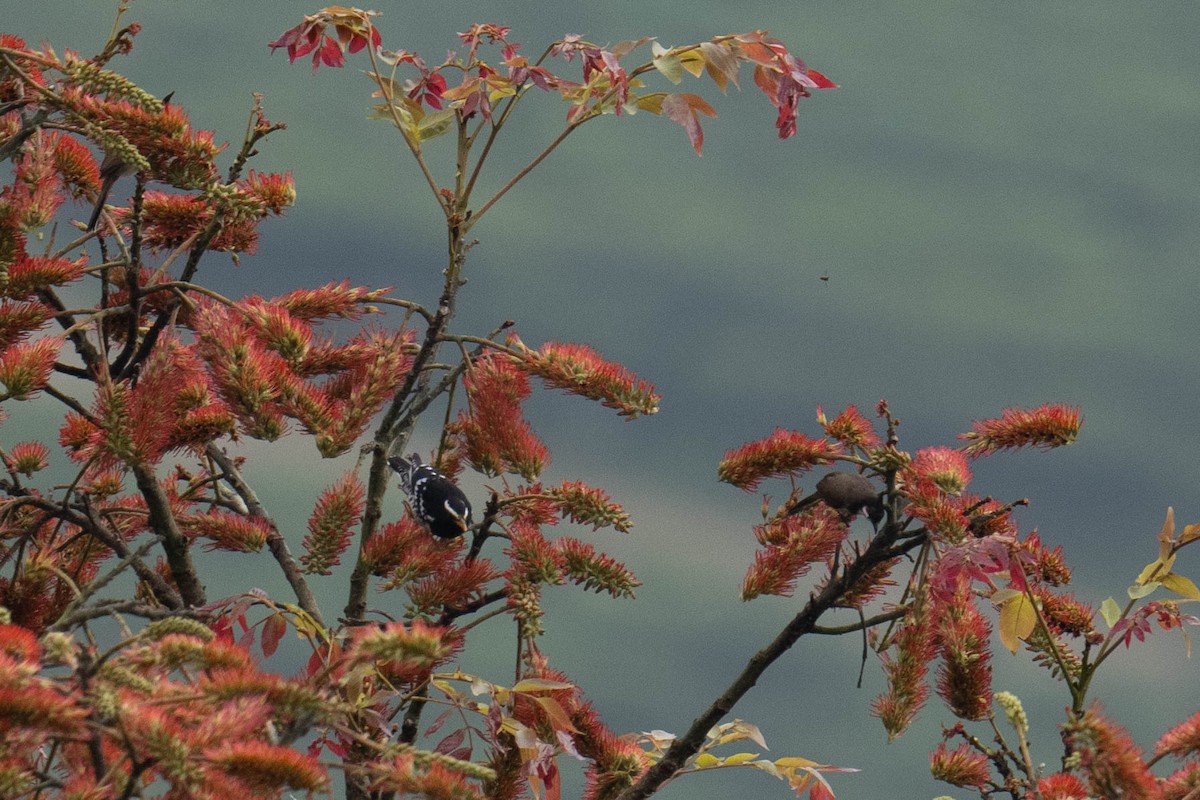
405, 467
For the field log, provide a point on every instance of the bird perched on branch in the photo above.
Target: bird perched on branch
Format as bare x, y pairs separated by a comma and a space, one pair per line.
435, 500
112, 169
847, 493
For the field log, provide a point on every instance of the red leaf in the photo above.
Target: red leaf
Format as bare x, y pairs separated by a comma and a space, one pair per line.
437, 723
451, 742
683, 108
274, 627
821, 81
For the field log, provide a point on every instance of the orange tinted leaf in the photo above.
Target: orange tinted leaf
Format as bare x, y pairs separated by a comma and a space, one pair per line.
559, 719
721, 63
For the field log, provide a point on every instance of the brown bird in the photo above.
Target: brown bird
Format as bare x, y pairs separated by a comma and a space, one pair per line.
112, 168
847, 493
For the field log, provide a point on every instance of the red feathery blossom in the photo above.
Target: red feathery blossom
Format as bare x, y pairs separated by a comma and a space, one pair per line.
26, 366
530, 505
29, 457
578, 369
405, 777
337, 511
589, 506
595, 571
401, 649
35, 191
331, 301
941, 514
1182, 784
1049, 566
944, 467
1062, 786
905, 666
963, 766
1048, 425
791, 546
1110, 759
782, 453
77, 166
30, 274
19, 319
1181, 741
266, 768
226, 531
850, 428
1063, 613
453, 584
20, 645
275, 191
152, 136
962, 635
404, 551
12, 87
496, 438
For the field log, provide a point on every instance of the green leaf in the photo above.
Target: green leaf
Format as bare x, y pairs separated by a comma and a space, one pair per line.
435, 124
1110, 611
667, 63
1140, 590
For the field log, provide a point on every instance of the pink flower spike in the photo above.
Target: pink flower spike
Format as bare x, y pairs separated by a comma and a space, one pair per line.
1048, 425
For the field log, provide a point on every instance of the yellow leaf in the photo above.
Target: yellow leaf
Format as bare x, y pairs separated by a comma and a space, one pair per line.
1189, 533
651, 102
740, 758
540, 685
1181, 585
705, 760
795, 762
1156, 569
1017, 619
693, 62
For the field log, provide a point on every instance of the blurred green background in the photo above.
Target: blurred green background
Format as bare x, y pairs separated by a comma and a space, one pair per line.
1003, 197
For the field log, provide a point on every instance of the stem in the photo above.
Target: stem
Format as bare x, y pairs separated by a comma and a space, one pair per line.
275, 541
175, 544
686, 746
539, 158
388, 432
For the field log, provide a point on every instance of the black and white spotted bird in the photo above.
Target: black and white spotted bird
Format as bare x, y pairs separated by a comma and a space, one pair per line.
435, 499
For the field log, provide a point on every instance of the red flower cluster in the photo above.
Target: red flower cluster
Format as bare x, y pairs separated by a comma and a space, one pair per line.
782, 453
1049, 425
